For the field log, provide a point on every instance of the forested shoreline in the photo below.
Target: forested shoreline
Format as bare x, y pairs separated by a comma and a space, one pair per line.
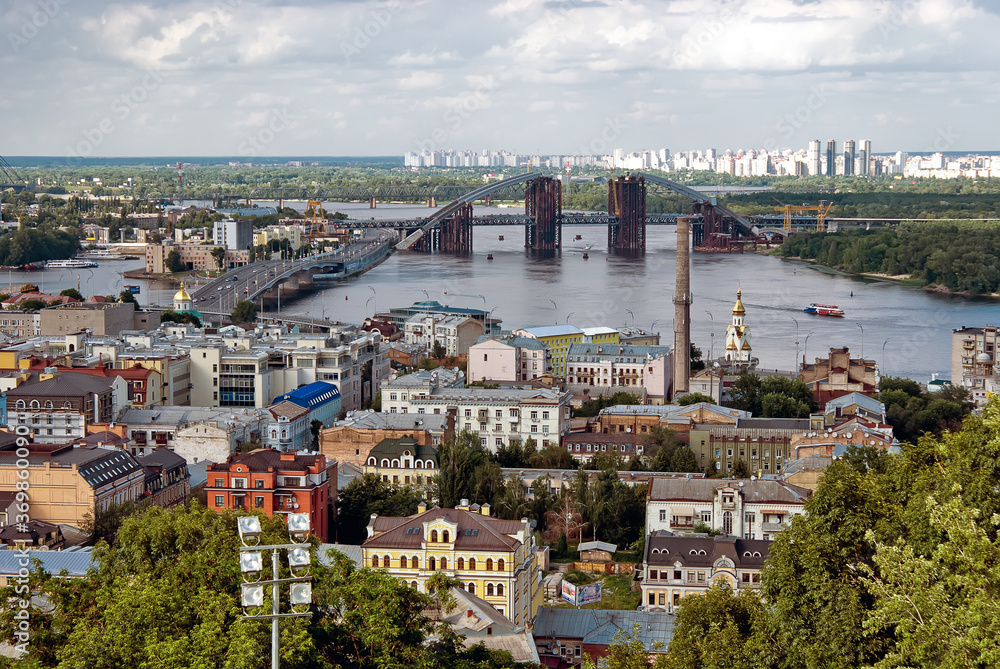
963, 256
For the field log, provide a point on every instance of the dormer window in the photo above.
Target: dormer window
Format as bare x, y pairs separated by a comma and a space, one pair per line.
445, 536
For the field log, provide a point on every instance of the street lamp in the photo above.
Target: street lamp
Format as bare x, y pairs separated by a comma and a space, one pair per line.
252, 567
805, 351
796, 342
374, 297
569, 315
711, 334
630, 314
883, 349
554, 304
862, 342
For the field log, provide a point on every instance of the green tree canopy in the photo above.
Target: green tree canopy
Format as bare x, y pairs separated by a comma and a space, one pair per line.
245, 311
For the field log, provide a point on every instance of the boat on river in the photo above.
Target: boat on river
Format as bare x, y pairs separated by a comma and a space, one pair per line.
69, 264
824, 310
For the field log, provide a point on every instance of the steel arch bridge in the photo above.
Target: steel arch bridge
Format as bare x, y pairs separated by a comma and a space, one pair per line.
449, 228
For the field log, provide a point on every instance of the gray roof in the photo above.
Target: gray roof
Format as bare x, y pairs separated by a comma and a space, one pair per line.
163, 457
75, 562
667, 548
618, 351
552, 330
597, 546
795, 424
174, 416
391, 448
598, 627
98, 466
704, 490
353, 553
664, 410
374, 420
514, 342
860, 399
65, 384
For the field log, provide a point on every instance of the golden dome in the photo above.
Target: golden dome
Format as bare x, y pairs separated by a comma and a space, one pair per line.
182, 295
738, 309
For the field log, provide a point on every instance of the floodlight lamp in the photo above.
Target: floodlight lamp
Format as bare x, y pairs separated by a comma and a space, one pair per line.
251, 563
299, 557
249, 527
298, 526
253, 595
300, 593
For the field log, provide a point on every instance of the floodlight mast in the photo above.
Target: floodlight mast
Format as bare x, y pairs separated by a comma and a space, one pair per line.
299, 557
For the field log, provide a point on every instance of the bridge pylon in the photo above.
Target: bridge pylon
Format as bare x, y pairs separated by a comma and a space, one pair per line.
456, 232
627, 200
543, 203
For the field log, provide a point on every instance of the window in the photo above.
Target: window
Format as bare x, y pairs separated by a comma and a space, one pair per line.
653, 574
444, 563
690, 577
461, 563
489, 589
500, 564
434, 536
402, 562
258, 502
472, 567
663, 515
385, 562
416, 562
218, 483
499, 589
662, 599
218, 500
431, 563
534, 415
545, 415
652, 599
489, 564
677, 574
375, 561
258, 483
701, 577
445, 536
472, 588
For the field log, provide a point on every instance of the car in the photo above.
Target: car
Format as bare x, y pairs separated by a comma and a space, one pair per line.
202, 299
222, 287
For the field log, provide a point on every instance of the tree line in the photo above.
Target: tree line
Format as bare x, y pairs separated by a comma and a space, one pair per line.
964, 257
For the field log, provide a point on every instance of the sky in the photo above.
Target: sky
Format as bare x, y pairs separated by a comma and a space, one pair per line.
322, 78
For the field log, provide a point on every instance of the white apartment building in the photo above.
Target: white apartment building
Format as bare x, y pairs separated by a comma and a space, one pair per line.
507, 359
609, 368
223, 377
455, 333
974, 361
747, 508
356, 363
498, 416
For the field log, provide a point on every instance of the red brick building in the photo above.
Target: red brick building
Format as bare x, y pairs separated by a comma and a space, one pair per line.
277, 483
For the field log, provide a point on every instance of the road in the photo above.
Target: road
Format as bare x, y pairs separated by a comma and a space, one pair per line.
221, 295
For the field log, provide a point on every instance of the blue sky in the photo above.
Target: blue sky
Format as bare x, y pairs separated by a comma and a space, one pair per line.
301, 77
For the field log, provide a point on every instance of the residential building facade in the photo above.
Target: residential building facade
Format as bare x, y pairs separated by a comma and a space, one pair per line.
610, 368
974, 361
507, 359
493, 559
276, 483
405, 462
454, 334
747, 508
839, 374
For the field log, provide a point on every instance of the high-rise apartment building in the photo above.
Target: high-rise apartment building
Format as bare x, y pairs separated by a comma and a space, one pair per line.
865, 157
831, 157
813, 158
849, 156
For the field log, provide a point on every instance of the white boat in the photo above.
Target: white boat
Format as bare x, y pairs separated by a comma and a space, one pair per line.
69, 264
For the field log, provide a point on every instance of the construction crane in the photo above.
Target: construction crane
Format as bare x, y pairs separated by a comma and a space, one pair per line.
315, 218
822, 209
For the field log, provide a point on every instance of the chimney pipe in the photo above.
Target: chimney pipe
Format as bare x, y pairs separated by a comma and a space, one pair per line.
682, 309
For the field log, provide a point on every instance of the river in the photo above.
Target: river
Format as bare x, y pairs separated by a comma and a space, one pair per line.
906, 330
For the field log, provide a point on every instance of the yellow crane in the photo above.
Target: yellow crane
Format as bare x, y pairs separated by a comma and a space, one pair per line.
315, 218
822, 210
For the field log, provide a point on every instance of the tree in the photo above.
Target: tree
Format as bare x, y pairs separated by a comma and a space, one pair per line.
697, 364
173, 261
627, 651
661, 442
219, 253
771, 396
513, 503
438, 350
552, 457
126, 297
244, 312
459, 458
684, 460
741, 470
315, 427
693, 398
72, 292
721, 629
366, 495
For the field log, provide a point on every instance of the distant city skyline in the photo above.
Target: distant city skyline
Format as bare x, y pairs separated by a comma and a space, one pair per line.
254, 78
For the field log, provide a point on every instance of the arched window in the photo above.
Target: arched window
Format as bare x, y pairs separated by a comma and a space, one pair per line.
416, 562
472, 564
402, 562
444, 563
385, 562
413, 584
489, 589
375, 561
489, 564
461, 563
48, 404
472, 588
385, 462
67, 405
500, 564
430, 564
499, 589
20, 404
434, 536
419, 464
445, 536
34, 404
372, 462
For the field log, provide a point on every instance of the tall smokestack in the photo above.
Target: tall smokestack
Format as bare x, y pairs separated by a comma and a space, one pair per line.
682, 309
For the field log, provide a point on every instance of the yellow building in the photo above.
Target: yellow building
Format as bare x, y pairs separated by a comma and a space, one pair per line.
405, 462
68, 484
558, 339
493, 559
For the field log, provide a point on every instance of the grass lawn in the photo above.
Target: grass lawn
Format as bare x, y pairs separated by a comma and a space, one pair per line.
616, 594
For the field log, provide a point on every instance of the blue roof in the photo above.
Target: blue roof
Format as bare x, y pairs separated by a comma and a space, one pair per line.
76, 562
311, 395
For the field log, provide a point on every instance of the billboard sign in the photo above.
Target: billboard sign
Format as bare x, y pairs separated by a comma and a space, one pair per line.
569, 592
132, 289
588, 594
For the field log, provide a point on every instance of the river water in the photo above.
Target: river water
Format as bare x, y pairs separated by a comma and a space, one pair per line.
906, 330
